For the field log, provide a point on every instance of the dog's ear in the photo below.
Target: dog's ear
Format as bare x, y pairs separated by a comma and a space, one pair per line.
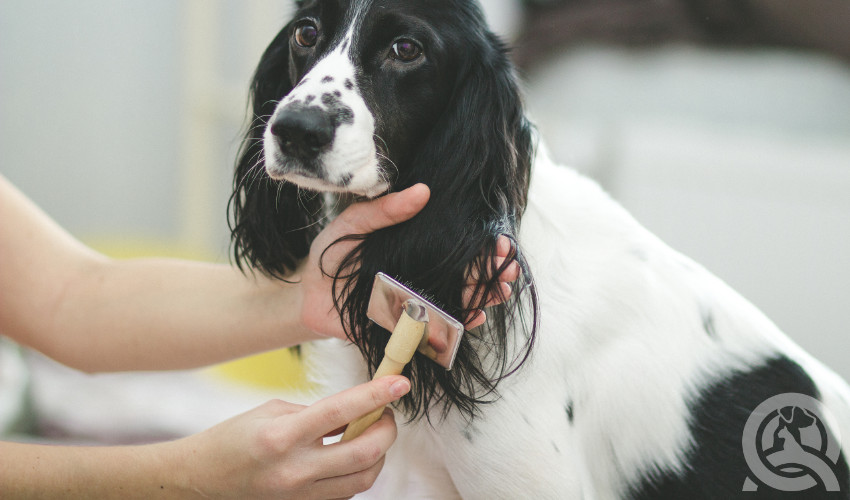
482, 135
476, 160
272, 224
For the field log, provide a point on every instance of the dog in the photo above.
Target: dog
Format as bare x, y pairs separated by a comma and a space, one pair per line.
617, 369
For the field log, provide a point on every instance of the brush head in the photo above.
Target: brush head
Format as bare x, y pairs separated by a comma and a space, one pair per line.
442, 334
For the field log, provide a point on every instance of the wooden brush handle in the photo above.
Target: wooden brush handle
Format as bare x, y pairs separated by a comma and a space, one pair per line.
407, 334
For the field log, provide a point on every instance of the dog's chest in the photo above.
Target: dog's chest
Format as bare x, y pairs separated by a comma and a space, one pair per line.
521, 445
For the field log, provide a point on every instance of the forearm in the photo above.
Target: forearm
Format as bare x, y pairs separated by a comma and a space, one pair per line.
96, 314
167, 314
37, 471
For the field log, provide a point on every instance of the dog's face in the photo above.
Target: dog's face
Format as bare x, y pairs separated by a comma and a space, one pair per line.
367, 85
367, 96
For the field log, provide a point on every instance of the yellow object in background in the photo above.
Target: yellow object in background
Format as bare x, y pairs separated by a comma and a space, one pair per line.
280, 369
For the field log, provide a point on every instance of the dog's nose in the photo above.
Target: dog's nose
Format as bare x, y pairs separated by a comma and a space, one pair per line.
304, 132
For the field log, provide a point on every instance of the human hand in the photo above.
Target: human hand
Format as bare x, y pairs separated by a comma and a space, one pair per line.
317, 307
276, 450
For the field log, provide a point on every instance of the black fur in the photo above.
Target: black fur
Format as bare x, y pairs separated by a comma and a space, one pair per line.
272, 224
454, 122
715, 468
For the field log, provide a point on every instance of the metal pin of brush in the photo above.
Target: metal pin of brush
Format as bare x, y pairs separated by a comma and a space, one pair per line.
416, 324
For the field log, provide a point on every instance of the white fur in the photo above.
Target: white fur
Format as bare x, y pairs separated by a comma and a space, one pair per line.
620, 337
353, 154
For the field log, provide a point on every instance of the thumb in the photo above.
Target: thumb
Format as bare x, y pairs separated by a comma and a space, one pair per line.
369, 216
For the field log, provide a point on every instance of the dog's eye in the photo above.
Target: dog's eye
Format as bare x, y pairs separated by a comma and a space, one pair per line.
306, 34
405, 50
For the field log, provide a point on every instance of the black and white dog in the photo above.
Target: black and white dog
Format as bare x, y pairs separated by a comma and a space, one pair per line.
617, 369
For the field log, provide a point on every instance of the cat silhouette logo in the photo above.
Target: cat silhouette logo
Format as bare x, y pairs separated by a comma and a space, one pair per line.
790, 446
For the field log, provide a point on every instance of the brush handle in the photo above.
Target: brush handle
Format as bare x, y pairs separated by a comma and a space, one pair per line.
407, 334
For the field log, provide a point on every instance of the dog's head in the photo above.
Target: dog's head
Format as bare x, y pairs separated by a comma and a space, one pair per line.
362, 97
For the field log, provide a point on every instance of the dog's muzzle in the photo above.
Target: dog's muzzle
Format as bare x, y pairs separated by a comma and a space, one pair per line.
303, 133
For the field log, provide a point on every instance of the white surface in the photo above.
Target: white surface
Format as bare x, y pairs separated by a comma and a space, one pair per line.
136, 406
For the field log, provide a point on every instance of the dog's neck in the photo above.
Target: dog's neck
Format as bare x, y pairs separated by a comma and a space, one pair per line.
336, 203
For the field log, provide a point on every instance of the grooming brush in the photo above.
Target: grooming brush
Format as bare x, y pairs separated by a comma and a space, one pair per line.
416, 324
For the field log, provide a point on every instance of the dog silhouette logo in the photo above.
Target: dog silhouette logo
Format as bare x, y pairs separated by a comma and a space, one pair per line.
789, 445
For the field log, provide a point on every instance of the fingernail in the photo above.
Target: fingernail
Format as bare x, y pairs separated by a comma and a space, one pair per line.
400, 388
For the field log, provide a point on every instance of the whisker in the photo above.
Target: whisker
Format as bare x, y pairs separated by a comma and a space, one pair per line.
320, 220
383, 153
386, 148
385, 176
277, 196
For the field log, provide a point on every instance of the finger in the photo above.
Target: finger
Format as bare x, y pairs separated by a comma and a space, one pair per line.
503, 246
347, 486
369, 216
510, 273
502, 295
476, 319
352, 466
347, 457
340, 409
498, 296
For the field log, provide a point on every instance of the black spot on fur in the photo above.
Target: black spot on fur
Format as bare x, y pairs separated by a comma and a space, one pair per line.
467, 434
329, 99
345, 180
569, 410
337, 93
327, 79
715, 468
309, 99
348, 84
344, 115
341, 112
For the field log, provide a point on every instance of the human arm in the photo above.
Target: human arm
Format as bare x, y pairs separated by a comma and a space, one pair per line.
98, 314
273, 451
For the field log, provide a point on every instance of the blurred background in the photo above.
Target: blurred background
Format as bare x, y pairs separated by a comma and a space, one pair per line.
722, 125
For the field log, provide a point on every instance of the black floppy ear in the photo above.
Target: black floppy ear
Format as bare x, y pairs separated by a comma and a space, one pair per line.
476, 160
483, 135
272, 224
